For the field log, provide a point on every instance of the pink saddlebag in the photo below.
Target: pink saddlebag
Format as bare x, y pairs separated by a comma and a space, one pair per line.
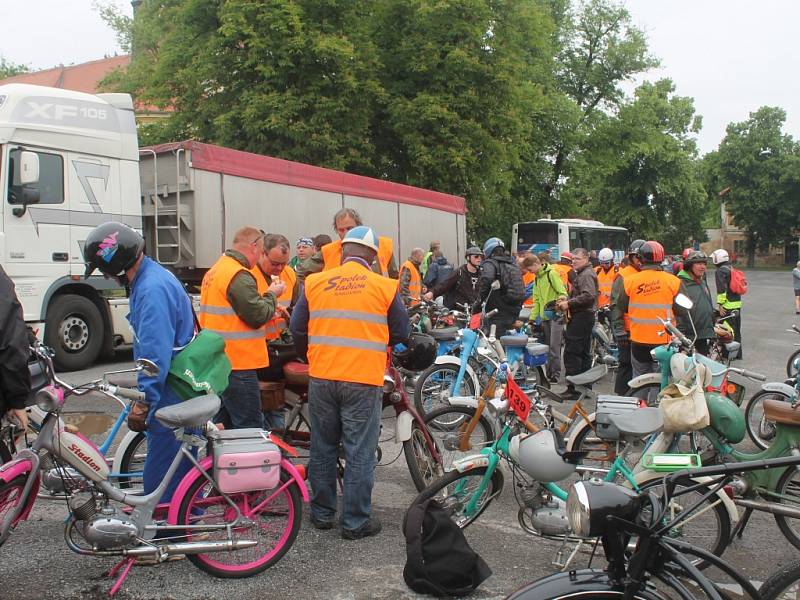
245, 460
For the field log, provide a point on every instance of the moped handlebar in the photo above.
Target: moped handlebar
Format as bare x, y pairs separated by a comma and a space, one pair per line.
674, 332
750, 374
135, 395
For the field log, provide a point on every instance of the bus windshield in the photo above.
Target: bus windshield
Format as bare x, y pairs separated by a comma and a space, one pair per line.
537, 237
595, 239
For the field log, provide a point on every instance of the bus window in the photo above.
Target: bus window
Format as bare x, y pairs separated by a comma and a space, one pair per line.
537, 237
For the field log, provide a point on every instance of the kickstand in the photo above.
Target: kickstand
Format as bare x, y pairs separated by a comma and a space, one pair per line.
558, 560
738, 531
125, 566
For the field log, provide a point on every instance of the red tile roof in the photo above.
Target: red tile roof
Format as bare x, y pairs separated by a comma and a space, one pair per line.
84, 77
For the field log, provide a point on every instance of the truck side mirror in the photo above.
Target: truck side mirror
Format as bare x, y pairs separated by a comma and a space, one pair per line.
28, 169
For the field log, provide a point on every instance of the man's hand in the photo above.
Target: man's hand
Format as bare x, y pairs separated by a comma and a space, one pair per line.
722, 311
282, 313
562, 305
20, 415
428, 296
137, 418
277, 288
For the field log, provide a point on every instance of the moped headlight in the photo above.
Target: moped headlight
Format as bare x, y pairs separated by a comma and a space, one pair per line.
590, 503
388, 384
578, 510
50, 399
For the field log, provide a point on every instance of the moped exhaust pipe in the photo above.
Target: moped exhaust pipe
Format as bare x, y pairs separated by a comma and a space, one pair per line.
193, 548
770, 507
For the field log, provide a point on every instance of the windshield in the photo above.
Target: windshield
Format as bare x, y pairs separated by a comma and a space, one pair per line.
597, 238
537, 237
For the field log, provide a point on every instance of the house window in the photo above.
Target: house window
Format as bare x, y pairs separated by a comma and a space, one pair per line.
51, 178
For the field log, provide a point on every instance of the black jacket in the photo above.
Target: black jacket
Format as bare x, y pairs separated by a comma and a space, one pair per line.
584, 290
460, 288
507, 311
15, 382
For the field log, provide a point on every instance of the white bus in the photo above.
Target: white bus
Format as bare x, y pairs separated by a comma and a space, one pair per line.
557, 235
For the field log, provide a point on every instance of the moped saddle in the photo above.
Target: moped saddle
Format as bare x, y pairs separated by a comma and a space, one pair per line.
445, 333
296, 373
190, 413
514, 341
588, 377
779, 411
640, 422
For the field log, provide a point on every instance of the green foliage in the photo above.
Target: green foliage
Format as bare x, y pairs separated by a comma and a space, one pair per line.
759, 167
121, 24
9, 69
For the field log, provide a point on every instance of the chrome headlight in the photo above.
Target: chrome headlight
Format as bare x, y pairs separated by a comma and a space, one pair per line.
50, 399
388, 384
578, 510
590, 503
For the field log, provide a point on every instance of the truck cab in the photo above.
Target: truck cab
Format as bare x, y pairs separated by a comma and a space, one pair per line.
68, 162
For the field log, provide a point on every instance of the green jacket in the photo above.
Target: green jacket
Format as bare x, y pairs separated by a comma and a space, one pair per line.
547, 287
703, 310
250, 306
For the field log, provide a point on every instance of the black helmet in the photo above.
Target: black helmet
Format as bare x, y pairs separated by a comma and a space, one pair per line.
652, 252
419, 353
694, 257
112, 248
473, 251
635, 247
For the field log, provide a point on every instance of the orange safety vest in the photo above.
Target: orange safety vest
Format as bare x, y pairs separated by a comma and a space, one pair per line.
244, 345
605, 281
332, 255
276, 325
651, 294
563, 272
627, 272
348, 329
415, 285
527, 278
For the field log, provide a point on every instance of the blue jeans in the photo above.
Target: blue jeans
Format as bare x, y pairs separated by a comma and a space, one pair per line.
241, 402
348, 414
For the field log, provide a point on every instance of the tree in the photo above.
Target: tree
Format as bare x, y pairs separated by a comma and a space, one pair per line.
112, 15
760, 167
9, 69
639, 169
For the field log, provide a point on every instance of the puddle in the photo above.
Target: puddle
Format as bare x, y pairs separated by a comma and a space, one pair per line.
89, 424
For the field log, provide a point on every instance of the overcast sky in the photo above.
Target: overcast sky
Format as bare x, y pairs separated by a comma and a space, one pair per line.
731, 56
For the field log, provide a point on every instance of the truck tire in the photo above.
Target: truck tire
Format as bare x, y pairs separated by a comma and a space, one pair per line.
74, 329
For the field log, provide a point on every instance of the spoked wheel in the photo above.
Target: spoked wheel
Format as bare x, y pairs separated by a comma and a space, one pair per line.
298, 435
456, 491
791, 371
132, 464
707, 527
420, 457
788, 492
433, 387
600, 453
783, 585
647, 392
450, 428
10, 496
271, 518
761, 431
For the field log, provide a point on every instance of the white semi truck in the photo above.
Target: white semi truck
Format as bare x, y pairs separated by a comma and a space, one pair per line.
69, 161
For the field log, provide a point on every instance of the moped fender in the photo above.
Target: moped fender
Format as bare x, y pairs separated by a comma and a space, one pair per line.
116, 465
13, 469
452, 360
468, 463
645, 379
10, 471
600, 332
581, 582
733, 512
207, 464
780, 388
403, 426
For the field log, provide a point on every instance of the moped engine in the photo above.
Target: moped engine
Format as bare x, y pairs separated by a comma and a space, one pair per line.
542, 513
105, 528
59, 480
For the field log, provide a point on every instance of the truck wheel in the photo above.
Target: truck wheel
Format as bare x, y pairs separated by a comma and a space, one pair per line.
74, 329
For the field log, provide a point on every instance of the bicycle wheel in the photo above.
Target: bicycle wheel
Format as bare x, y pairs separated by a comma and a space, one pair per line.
788, 492
10, 496
298, 435
132, 463
600, 453
761, 431
783, 584
432, 389
272, 518
707, 527
455, 490
422, 465
448, 427
790, 370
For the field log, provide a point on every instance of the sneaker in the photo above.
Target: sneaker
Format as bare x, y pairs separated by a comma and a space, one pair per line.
370, 528
320, 524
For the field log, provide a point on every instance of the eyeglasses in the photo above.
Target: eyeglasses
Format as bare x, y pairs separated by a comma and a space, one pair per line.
275, 263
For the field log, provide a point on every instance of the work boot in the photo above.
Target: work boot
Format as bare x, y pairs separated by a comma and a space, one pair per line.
320, 524
370, 528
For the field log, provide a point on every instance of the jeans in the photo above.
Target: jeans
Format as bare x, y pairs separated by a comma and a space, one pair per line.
553, 335
577, 343
348, 414
241, 402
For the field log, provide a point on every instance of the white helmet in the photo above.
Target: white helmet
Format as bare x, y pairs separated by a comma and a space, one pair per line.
720, 256
538, 455
606, 255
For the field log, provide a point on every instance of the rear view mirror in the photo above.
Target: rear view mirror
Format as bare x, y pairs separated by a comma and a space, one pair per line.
148, 367
28, 168
684, 301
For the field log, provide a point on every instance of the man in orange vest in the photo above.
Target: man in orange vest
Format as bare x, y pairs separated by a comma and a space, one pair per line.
236, 302
606, 272
330, 255
411, 278
564, 268
344, 320
619, 319
647, 297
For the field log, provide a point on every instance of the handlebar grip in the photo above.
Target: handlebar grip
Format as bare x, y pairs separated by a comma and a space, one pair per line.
754, 375
491, 313
130, 394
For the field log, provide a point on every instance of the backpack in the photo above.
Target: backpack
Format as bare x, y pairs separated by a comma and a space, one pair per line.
439, 561
511, 282
738, 283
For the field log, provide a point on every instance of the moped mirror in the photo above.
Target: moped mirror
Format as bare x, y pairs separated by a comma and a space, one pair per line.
684, 301
148, 367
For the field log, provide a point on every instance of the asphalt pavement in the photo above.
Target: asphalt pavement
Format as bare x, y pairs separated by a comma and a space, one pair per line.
35, 563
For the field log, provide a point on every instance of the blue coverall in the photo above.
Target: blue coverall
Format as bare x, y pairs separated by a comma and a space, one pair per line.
161, 318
